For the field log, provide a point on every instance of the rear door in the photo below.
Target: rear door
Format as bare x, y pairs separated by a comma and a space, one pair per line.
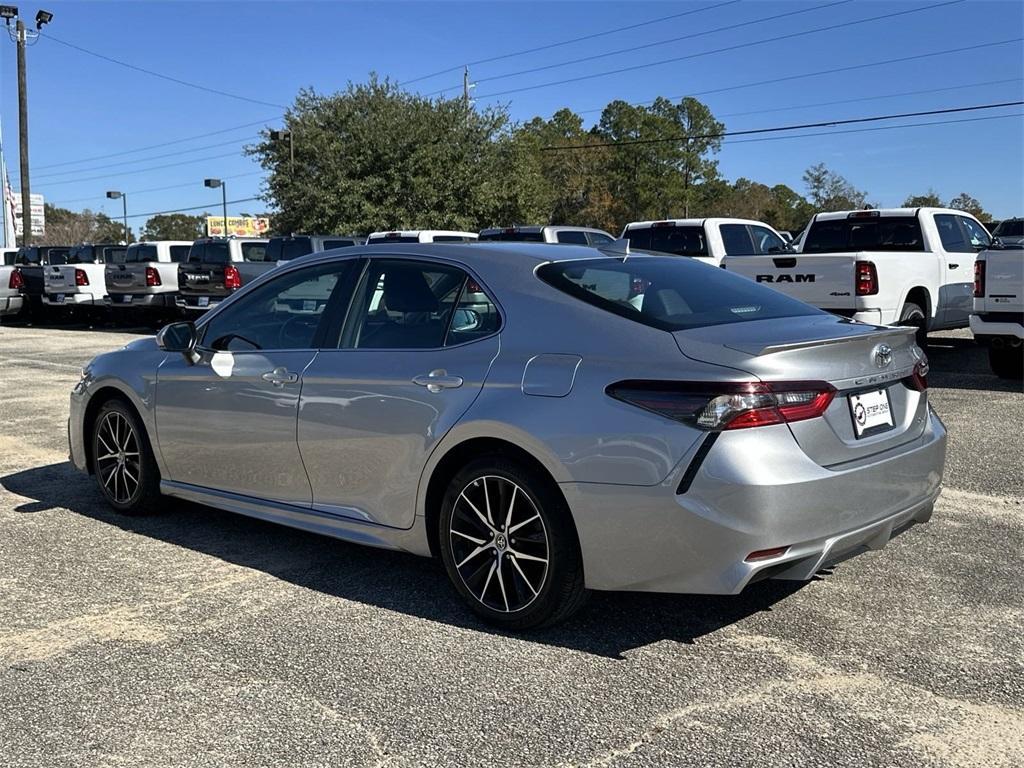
227, 422
403, 374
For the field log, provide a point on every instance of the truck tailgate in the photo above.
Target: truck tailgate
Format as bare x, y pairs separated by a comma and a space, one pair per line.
202, 279
824, 280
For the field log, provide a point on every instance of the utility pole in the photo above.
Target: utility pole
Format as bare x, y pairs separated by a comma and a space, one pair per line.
466, 86
21, 37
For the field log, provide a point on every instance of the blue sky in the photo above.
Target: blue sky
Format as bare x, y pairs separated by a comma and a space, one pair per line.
82, 107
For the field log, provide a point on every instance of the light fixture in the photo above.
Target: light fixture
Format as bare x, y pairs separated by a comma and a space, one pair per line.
114, 195
212, 183
8, 12
43, 18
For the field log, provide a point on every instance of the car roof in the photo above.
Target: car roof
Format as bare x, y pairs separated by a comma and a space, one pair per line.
905, 212
541, 228
695, 222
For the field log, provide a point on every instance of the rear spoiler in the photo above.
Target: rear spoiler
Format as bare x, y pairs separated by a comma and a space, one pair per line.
883, 333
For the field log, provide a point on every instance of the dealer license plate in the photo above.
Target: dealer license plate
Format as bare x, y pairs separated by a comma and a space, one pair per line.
59, 298
871, 412
203, 301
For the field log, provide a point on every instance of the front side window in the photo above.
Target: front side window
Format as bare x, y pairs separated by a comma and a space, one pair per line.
877, 233
411, 305
600, 238
978, 237
571, 237
950, 233
736, 240
283, 314
766, 241
670, 294
679, 241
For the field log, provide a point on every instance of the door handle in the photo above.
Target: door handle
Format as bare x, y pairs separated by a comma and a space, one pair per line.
437, 380
953, 266
280, 376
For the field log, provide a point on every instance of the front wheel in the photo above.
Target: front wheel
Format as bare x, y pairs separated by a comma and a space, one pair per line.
1007, 362
912, 315
123, 462
509, 546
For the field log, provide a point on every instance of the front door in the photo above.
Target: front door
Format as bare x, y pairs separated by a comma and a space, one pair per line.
227, 422
962, 238
413, 357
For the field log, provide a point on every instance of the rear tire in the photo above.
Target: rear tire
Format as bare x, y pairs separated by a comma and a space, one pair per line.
1007, 362
509, 546
912, 315
126, 471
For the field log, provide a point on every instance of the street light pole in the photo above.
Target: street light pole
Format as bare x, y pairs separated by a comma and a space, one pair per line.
124, 210
213, 184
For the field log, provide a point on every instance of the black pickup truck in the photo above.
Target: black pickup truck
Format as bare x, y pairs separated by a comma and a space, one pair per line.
31, 262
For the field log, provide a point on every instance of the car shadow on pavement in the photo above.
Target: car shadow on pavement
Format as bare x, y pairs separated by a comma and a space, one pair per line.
959, 363
611, 623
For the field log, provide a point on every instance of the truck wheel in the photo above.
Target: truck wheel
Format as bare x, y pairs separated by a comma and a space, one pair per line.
913, 315
1007, 362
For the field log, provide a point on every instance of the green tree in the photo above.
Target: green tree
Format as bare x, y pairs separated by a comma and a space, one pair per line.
66, 227
376, 157
828, 191
108, 230
788, 209
174, 226
928, 200
964, 202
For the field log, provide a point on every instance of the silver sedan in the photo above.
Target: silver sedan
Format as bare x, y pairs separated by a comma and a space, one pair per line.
546, 420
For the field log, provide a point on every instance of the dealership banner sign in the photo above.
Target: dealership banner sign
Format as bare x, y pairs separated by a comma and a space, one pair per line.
238, 226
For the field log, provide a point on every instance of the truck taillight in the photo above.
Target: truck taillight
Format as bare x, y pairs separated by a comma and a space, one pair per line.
867, 278
716, 407
17, 282
152, 277
979, 279
81, 278
232, 279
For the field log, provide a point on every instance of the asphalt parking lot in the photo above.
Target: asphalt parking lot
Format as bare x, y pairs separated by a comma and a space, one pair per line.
200, 638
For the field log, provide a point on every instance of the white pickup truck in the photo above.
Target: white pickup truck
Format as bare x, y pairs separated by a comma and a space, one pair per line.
707, 240
900, 266
11, 285
997, 321
81, 282
147, 278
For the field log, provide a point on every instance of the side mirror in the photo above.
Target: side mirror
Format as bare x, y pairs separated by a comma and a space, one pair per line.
179, 337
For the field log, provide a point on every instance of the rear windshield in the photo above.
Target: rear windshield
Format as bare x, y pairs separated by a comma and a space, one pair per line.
514, 236
1010, 229
292, 249
251, 252
668, 293
883, 233
114, 255
680, 241
216, 253
451, 239
395, 239
329, 244
139, 253
179, 253
81, 254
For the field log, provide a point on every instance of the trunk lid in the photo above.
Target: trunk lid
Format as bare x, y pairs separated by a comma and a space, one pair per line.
850, 356
824, 280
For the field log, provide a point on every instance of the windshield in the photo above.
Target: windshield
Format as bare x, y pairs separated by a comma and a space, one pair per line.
517, 236
882, 233
668, 293
680, 241
1010, 228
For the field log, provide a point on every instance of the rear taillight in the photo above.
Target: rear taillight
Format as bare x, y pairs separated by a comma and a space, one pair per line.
867, 278
81, 278
979, 279
232, 279
728, 406
16, 282
918, 380
152, 277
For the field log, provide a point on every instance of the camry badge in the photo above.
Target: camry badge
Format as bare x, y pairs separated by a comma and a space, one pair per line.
882, 355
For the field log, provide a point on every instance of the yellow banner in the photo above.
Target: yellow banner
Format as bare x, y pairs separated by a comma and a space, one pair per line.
239, 226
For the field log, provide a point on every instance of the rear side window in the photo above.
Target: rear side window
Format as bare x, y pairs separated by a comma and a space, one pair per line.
179, 253
679, 241
670, 294
736, 240
252, 251
573, 238
881, 233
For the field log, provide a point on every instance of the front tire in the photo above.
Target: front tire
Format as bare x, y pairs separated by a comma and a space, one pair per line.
509, 546
912, 315
1007, 362
123, 462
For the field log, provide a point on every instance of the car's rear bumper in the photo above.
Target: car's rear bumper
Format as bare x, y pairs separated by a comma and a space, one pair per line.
752, 492
140, 301
11, 305
72, 299
980, 327
194, 303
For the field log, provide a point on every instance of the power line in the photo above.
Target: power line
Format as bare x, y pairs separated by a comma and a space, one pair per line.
549, 46
849, 68
142, 170
157, 146
154, 189
777, 129
193, 208
144, 159
725, 49
179, 81
635, 48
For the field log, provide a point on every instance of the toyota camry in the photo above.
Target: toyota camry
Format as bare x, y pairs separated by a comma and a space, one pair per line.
545, 419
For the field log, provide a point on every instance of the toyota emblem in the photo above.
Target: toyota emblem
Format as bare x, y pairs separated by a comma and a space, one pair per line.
882, 355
